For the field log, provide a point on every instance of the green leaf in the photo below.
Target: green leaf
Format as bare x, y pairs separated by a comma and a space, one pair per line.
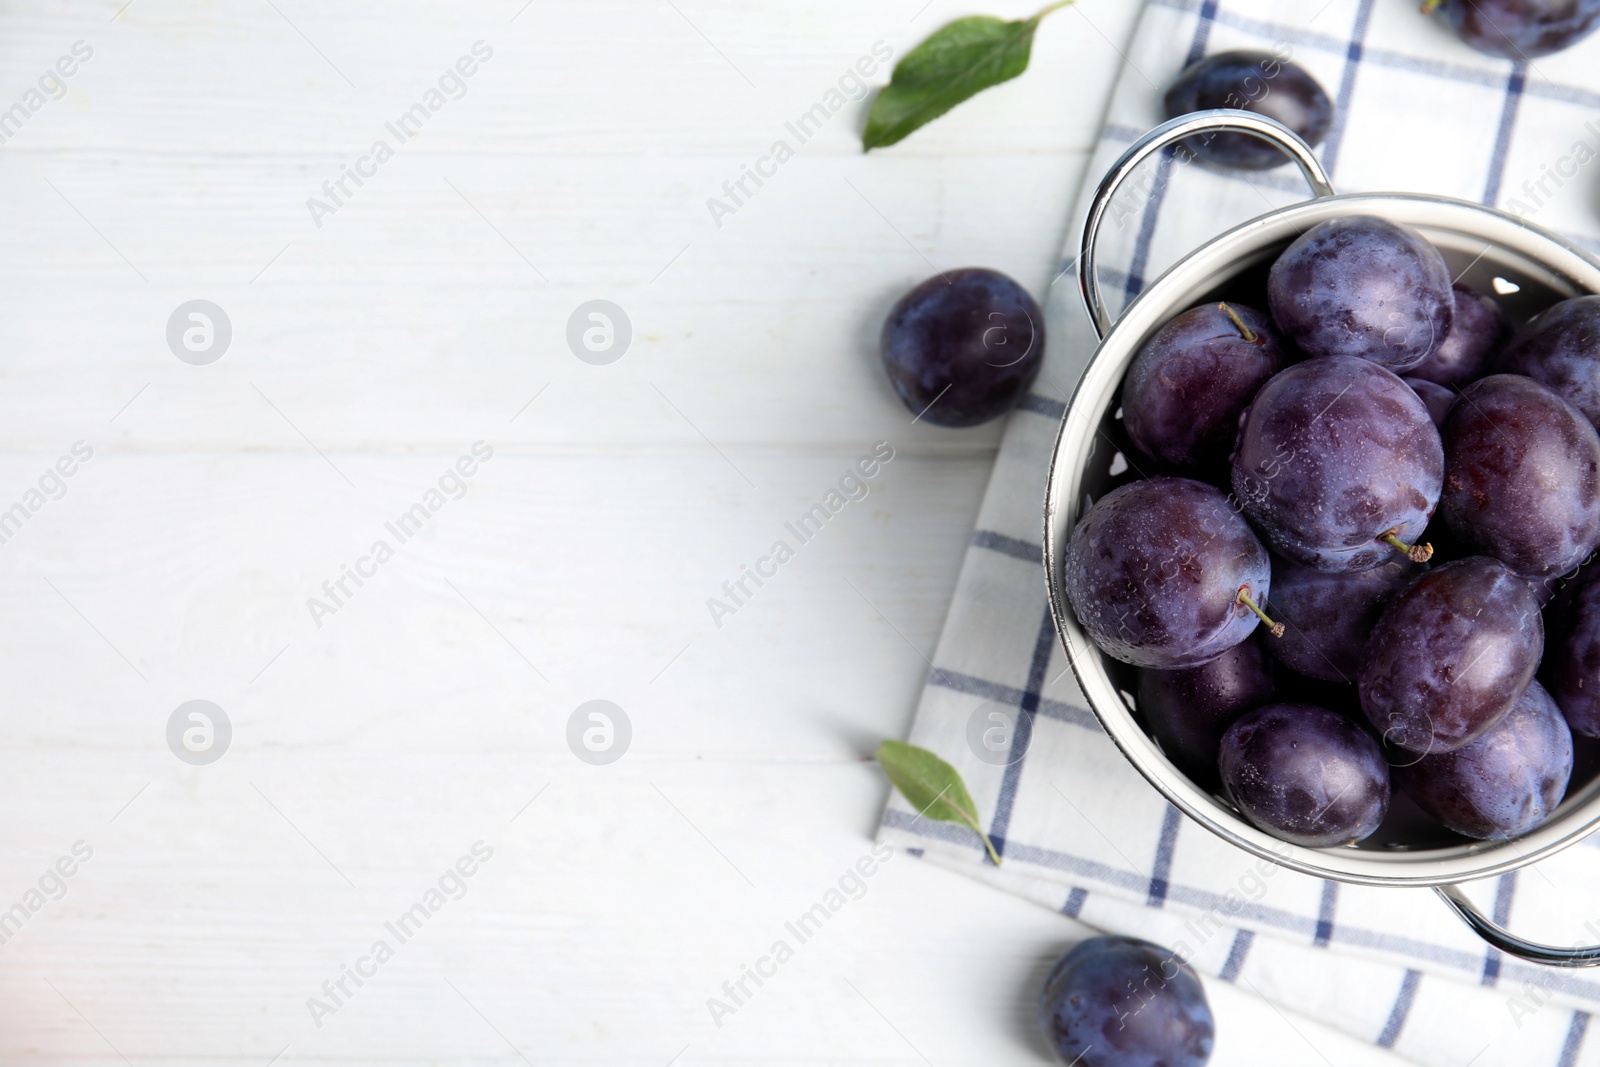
960, 60
932, 786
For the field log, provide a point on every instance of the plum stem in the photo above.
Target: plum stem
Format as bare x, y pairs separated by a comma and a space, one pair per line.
1244, 331
1415, 553
1274, 628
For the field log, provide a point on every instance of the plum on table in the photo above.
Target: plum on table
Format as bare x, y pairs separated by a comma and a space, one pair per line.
1121, 1002
1520, 29
963, 347
1256, 81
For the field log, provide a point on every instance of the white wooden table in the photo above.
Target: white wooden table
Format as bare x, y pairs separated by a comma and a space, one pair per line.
374, 744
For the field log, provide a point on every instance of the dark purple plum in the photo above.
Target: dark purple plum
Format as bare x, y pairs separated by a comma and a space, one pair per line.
1571, 667
1327, 616
1450, 655
1503, 784
1121, 1002
963, 347
1362, 286
1187, 710
1522, 476
1305, 774
1184, 392
1560, 347
1435, 397
1521, 29
1250, 81
1477, 333
1338, 464
1161, 573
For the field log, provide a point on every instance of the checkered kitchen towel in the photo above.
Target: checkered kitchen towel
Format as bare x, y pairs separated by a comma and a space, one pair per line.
1080, 830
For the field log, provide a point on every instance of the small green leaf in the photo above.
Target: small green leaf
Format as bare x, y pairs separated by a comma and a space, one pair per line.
960, 60
932, 786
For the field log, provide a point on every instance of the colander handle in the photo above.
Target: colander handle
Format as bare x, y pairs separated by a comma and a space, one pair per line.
1220, 120
1510, 943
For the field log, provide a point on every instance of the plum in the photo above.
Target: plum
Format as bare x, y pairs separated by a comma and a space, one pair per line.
1478, 332
1506, 782
1121, 1002
963, 347
1185, 390
1521, 29
1250, 81
1338, 464
1438, 399
1163, 573
1327, 616
1450, 655
1571, 667
1305, 774
1560, 347
1363, 286
1187, 710
1522, 476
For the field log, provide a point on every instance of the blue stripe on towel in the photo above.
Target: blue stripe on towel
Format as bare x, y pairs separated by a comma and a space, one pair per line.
1158, 191
1330, 902
1042, 405
1347, 86
1502, 139
1401, 1009
1574, 1042
1502, 915
1074, 905
1236, 955
1023, 733
1014, 547
979, 687
1170, 821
